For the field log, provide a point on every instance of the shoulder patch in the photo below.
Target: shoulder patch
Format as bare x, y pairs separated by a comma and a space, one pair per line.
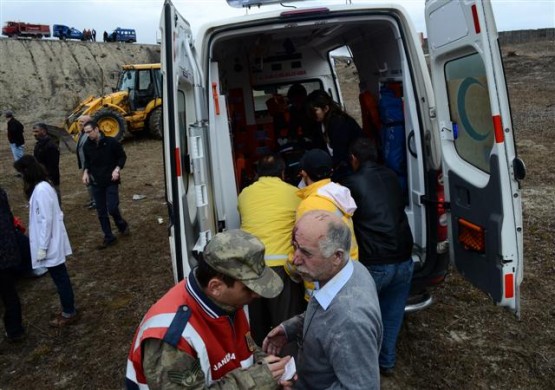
179, 322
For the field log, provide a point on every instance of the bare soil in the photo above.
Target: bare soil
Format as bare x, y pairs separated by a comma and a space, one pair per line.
461, 342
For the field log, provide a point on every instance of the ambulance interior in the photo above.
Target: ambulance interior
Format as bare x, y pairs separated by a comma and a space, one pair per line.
254, 67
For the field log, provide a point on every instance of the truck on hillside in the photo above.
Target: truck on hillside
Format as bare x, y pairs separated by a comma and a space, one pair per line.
122, 35
64, 32
20, 29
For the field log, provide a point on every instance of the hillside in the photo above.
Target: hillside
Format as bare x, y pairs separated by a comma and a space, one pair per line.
44, 79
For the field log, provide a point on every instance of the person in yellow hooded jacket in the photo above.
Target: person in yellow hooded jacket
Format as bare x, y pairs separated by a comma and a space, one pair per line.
267, 208
320, 193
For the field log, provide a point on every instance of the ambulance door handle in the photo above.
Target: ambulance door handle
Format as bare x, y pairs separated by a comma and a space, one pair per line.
519, 169
411, 145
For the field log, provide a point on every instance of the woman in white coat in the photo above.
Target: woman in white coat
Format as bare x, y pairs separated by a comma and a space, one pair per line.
47, 234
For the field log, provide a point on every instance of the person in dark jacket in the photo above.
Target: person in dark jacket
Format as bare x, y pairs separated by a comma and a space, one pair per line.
384, 239
9, 260
104, 159
48, 154
15, 136
338, 131
82, 138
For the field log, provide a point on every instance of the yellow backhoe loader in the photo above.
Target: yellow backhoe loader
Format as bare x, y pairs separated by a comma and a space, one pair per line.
135, 105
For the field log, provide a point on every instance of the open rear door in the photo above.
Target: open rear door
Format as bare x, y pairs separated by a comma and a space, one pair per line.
480, 166
188, 188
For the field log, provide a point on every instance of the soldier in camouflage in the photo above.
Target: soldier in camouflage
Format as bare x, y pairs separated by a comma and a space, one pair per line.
197, 336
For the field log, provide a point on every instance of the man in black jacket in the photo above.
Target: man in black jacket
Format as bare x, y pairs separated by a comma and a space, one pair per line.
384, 239
15, 136
48, 154
104, 158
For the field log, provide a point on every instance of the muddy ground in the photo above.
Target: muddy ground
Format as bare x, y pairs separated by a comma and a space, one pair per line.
462, 342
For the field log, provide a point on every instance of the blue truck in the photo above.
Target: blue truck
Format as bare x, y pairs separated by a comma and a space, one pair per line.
64, 32
121, 35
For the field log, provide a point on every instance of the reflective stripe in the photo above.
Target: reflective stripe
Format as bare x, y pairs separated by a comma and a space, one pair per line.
275, 260
275, 257
498, 129
131, 375
157, 321
247, 362
197, 343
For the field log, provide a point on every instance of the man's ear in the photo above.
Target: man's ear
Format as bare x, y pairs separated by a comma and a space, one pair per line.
215, 287
337, 259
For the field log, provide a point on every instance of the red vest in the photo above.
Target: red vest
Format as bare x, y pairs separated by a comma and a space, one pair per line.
220, 342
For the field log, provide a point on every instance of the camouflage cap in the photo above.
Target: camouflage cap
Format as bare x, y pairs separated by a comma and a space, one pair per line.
240, 255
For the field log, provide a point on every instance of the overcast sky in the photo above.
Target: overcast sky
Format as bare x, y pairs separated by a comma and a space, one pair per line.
144, 15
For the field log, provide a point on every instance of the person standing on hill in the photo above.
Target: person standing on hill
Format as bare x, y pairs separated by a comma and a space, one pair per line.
47, 234
48, 154
104, 159
15, 136
10, 258
81, 156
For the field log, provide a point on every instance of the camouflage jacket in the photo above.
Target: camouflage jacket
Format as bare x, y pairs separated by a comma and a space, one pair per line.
186, 341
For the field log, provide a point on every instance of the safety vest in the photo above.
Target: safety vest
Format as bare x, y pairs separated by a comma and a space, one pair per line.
188, 320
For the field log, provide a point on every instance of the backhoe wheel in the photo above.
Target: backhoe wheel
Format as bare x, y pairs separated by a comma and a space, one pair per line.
111, 123
155, 124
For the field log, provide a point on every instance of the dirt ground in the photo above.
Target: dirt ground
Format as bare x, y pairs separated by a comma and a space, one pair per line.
461, 342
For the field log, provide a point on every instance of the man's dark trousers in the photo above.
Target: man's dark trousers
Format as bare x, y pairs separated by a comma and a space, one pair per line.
107, 202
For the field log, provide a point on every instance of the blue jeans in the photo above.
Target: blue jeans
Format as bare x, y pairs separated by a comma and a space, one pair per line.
17, 151
393, 285
61, 279
107, 203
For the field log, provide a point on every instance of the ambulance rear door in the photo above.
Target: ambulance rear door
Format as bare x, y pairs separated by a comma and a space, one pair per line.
480, 166
186, 144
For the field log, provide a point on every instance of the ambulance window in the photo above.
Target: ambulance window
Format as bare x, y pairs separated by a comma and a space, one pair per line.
261, 95
186, 175
470, 110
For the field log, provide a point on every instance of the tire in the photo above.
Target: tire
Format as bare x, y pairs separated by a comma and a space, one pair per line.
156, 123
111, 123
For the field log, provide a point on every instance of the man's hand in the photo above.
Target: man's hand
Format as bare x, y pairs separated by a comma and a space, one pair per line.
86, 177
41, 255
115, 174
276, 365
275, 340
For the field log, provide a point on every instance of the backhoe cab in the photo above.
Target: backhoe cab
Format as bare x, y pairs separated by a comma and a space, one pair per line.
135, 105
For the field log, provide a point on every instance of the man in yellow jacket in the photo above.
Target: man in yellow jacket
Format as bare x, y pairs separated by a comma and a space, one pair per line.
267, 208
321, 193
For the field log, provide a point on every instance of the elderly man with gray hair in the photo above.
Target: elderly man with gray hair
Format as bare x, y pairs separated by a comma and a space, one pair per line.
340, 333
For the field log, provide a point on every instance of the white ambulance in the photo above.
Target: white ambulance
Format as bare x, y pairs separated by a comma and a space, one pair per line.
462, 171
